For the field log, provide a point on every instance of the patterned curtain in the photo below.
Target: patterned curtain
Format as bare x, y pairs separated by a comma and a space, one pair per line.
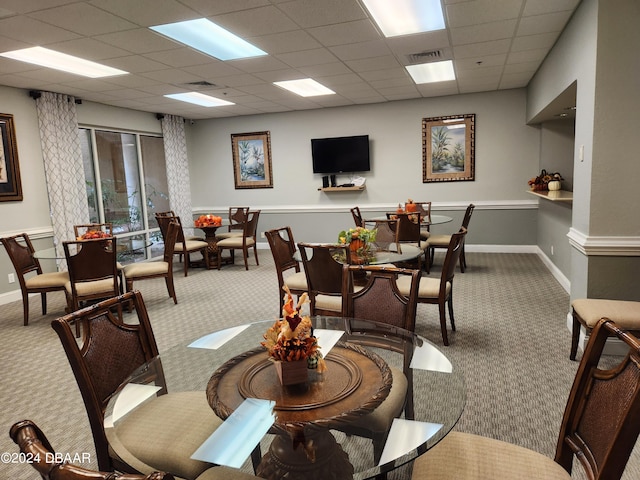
60, 139
175, 152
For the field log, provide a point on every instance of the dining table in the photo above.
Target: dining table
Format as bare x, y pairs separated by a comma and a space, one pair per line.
390, 254
301, 431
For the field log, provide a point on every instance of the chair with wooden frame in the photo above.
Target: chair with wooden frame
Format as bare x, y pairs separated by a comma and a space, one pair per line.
599, 428
324, 276
442, 242
20, 251
424, 209
93, 270
244, 242
409, 231
35, 446
104, 228
237, 218
386, 235
380, 300
283, 247
108, 352
439, 291
164, 269
183, 246
357, 217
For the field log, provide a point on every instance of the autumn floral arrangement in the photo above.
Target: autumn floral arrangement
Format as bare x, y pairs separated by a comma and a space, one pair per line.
359, 240
291, 338
541, 182
94, 234
208, 221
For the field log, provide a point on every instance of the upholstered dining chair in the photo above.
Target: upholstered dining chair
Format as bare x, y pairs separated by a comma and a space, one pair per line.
599, 428
409, 231
587, 312
237, 218
147, 270
442, 242
93, 270
108, 352
424, 209
357, 217
29, 272
324, 276
244, 242
183, 247
387, 235
439, 291
283, 247
380, 300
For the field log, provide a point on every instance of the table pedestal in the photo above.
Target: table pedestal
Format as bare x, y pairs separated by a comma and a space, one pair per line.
317, 456
213, 251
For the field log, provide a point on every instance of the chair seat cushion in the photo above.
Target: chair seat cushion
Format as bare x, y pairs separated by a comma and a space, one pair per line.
329, 302
92, 288
439, 240
463, 455
626, 314
48, 280
296, 281
164, 432
144, 269
191, 246
223, 235
428, 287
235, 242
381, 418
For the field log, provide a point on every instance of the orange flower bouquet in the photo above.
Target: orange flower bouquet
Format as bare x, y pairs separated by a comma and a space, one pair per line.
93, 234
208, 221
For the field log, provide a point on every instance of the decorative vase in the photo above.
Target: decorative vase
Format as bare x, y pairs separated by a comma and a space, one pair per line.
292, 373
357, 248
554, 185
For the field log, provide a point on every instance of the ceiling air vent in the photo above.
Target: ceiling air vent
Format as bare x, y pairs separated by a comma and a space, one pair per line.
424, 56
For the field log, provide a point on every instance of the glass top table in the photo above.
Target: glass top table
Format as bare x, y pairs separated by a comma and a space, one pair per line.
435, 219
242, 389
384, 256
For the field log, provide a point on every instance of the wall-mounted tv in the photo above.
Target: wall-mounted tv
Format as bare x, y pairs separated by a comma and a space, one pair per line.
340, 154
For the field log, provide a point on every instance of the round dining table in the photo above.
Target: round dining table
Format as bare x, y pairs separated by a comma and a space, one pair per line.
303, 431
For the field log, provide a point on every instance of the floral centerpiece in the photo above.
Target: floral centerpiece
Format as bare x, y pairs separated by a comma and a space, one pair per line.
541, 182
291, 344
208, 221
359, 240
93, 234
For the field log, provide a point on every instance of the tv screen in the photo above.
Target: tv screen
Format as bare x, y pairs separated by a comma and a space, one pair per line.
340, 154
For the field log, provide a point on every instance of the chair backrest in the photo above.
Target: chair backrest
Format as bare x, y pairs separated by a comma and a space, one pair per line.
282, 248
164, 219
357, 217
108, 352
408, 227
35, 446
106, 228
237, 217
601, 421
21, 256
173, 230
379, 299
424, 209
467, 215
387, 235
91, 260
323, 271
251, 225
451, 258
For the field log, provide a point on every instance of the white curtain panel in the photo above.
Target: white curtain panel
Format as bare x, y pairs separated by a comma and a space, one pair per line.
175, 152
61, 150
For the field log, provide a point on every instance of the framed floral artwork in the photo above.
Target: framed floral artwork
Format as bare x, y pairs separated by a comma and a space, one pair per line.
448, 148
252, 160
10, 184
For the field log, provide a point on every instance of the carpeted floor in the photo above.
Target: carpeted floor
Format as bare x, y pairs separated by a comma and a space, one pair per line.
512, 343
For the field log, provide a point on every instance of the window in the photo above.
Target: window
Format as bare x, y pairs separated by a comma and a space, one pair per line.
114, 164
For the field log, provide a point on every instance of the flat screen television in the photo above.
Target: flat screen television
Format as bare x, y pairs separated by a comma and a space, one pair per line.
340, 154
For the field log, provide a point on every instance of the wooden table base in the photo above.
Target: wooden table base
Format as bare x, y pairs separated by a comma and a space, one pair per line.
322, 459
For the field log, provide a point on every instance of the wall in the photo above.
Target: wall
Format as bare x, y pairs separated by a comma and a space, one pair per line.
507, 155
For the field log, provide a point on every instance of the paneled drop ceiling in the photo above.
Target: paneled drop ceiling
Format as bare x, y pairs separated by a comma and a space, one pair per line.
494, 45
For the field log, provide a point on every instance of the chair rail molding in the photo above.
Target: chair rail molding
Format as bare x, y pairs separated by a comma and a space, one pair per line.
611, 246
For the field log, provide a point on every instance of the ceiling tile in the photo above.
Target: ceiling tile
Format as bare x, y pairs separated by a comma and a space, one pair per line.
83, 19
482, 11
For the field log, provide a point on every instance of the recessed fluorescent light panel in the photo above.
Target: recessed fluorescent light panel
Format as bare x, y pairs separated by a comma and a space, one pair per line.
404, 17
432, 72
207, 37
305, 87
61, 61
199, 99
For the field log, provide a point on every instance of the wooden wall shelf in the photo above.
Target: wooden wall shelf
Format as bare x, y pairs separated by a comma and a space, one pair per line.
342, 189
553, 195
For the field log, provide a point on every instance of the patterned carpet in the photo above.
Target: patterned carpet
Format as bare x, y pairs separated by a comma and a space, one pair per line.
512, 343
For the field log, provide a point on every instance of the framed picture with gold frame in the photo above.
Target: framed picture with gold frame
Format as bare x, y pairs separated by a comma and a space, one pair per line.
252, 160
10, 184
448, 148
